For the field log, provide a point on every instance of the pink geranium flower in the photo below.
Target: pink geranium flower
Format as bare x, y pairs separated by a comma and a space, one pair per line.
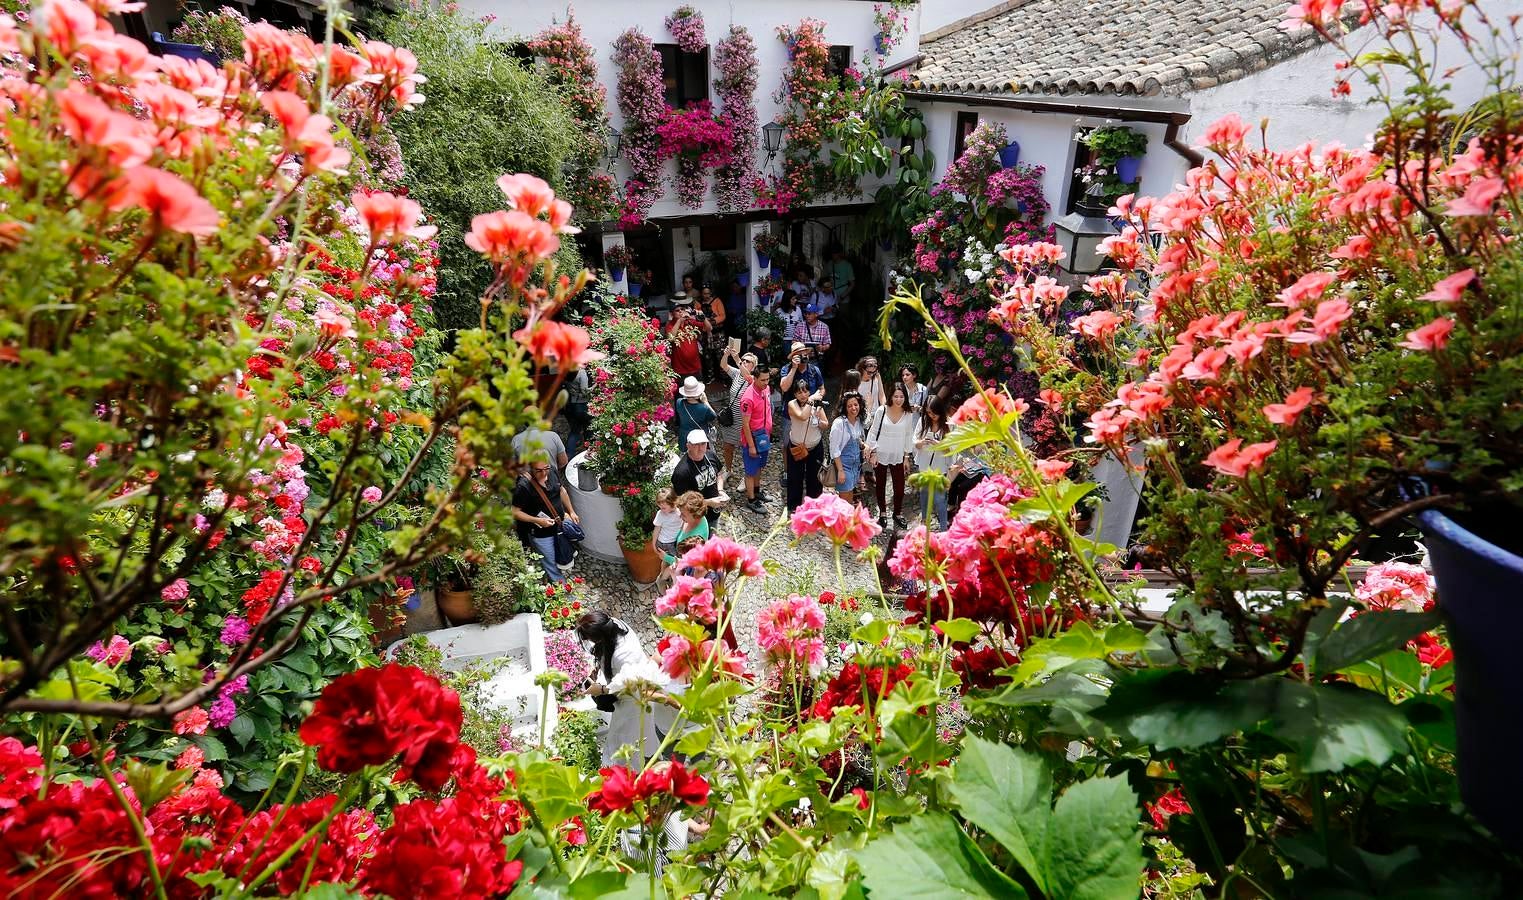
842, 522
792, 632
1432, 336
1450, 289
721, 554
1286, 413
1232, 458
691, 596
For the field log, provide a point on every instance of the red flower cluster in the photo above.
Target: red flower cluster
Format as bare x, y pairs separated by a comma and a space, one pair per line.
369, 717
258, 599
622, 789
857, 687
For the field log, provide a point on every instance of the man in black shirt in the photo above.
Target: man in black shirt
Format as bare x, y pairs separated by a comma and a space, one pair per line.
760, 347
701, 471
539, 503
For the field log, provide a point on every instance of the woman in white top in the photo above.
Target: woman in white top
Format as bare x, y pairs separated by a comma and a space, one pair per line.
890, 438
917, 391
807, 423
870, 387
619, 663
932, 431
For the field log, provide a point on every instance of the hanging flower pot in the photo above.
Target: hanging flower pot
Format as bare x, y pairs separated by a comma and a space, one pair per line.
1010, 155
635, 288
1478, 563
744, 278
880, 43
616, 273
1128, 168
763, 261
185, 51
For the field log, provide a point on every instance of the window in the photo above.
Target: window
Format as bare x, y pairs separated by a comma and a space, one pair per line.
718, 238
840, 60
967, 123
515, 50
686, 75
1076, 185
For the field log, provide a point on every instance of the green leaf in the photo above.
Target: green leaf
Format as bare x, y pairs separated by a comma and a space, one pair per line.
1175, 709
1079, 642
929, 857
212, 748
1368, 635
1093, 849
152, 783
959, 630
1009, 795
1336, 726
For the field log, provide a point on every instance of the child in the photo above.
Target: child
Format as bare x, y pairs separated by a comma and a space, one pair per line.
694, 530
668, 522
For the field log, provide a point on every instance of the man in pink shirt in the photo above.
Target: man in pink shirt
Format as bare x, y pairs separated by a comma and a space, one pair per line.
755, 435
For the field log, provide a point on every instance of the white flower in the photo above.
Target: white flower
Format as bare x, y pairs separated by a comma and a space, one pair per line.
865, 619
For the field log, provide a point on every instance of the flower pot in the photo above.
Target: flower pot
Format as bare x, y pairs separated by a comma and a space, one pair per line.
185, 51
586, 479
644, 564
456, 606
1011, 155
880, 44
608, 489
1128, 168
635, 288
616, 273
777, 271
763, 261
1478, 562
744, 278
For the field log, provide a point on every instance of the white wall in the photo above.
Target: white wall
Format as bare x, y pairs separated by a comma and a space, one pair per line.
848, 22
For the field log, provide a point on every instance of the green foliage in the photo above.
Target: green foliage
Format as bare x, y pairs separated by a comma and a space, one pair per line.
576, 740
487, 113
1113, 143
508, 582
220, 31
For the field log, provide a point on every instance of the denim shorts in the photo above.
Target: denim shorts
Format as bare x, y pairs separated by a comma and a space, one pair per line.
754, 464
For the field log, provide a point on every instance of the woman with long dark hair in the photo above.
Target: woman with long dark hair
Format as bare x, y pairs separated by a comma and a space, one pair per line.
932, 431
846, 446
890, 438
618, 659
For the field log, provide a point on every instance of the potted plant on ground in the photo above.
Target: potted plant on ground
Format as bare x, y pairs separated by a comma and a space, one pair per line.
618, 258
508, 582
1324, 387
452, 575
635, 535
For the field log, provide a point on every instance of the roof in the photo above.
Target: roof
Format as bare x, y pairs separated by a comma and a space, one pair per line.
1123, 47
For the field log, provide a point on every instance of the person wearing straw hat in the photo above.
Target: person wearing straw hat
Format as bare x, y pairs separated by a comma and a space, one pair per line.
692, 408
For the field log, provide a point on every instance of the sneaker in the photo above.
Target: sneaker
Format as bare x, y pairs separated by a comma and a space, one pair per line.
755, 505
763, 496
899, 523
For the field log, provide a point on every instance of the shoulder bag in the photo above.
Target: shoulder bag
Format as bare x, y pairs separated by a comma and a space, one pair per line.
567, 536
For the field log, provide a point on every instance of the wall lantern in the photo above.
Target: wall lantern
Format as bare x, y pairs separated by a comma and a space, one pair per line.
1080, 236
772, 138
614, 141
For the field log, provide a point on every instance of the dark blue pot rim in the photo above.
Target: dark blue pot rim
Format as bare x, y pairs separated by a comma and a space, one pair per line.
1439, 525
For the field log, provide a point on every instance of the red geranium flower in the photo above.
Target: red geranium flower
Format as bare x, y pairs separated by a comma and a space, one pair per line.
371, 716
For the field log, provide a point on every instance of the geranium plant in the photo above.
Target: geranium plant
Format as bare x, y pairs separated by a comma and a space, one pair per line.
220, 31
641, 102
571, 63
735, 88
700, 141
686, 25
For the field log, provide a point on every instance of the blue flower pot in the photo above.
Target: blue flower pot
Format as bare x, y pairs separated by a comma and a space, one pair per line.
1128, 168
880, 44
763, 261
1478, 561
185, 51
616, 273
744, 278
635, 288
1011, 155
777, 271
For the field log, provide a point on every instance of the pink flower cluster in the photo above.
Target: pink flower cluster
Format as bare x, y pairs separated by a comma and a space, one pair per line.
720, 554
686, 25
690, 597
735, 86
845, 524
641, 96
792, 632
1395, 585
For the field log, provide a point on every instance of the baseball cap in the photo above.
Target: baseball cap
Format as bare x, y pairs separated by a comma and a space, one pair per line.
697, 436
812, 308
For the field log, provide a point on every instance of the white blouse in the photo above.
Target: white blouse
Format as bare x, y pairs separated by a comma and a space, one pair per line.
891, 440
842, 431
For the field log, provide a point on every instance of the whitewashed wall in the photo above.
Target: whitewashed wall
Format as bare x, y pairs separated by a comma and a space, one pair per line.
848, 22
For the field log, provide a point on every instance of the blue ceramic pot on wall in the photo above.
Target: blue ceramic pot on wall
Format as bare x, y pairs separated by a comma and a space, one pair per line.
1011, 155
763, 261
635, 288
1477, 559
1128, 168
616, 273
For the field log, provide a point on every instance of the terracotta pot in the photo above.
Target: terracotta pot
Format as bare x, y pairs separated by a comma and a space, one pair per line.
384, 632
644, 564
608, 489
456, 606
